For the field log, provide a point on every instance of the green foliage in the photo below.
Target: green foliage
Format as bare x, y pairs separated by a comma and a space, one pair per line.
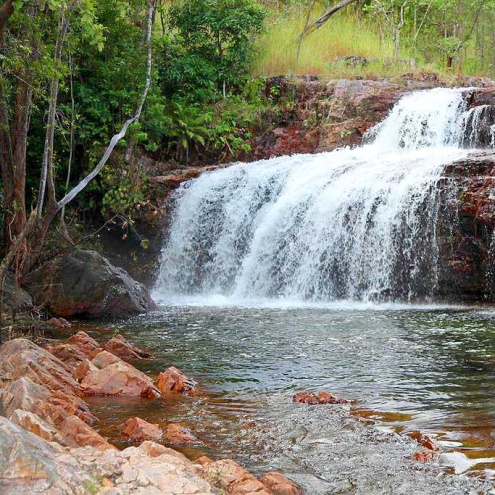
210, 47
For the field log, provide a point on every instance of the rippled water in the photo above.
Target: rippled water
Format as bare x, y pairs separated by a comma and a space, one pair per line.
425, 368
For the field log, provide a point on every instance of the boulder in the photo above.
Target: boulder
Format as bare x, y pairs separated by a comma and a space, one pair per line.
173, 380
126, 351
116, 377
139, 430
234, 479
280, 485
85, 284
83, 369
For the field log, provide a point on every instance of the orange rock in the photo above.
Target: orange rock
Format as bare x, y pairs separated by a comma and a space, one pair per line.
22, 358
153, 449
83, 369
119, 378
173, 380
124, 350
234, 479
305, 398
71, 355
104, 359
177, 434
424, 440
86, 344
328, 398
139, 430
80, 433
423, 456
280, 485
203, 460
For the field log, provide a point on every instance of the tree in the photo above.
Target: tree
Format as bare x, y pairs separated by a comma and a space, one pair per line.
216, 36
32, 61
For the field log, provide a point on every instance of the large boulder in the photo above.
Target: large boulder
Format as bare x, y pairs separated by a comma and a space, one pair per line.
14, 299
85, 284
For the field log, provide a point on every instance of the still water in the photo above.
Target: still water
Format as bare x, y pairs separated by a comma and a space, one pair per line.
407, 368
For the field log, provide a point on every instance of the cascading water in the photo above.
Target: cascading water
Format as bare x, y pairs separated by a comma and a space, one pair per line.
359, 224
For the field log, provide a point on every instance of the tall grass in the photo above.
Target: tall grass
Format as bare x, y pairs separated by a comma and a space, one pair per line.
322, 51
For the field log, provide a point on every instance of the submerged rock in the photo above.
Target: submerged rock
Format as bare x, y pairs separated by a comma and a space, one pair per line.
177, 434
85, 284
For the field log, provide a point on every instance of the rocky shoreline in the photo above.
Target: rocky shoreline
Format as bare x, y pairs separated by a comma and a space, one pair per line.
50, 440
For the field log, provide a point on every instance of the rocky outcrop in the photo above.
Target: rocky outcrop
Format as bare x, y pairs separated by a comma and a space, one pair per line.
85, 284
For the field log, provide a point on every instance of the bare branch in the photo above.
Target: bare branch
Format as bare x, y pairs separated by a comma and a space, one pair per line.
324, 18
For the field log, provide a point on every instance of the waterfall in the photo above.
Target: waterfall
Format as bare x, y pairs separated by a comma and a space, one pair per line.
352, 224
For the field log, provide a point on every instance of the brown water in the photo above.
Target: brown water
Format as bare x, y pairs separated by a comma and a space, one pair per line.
429, 368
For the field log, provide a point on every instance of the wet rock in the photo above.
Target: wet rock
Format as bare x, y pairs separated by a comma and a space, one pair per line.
139, 430
280, 485
116, 378
126, 351
177, 434
86, 344
85, 284
173, 380
320, 398
28, 464
424, 440
234, 479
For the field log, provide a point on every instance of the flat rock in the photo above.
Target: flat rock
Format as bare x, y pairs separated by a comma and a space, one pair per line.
126, 351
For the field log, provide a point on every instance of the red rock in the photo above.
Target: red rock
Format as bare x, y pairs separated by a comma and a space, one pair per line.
320, 398
424, 456
119, 378
86, 344
58, 323
424, 440
173, 380
104, 359
22, 358
71, 355
124, 350
203, 460
280, 485
177, 434
80, 433
234, 479
83, 369
139, 430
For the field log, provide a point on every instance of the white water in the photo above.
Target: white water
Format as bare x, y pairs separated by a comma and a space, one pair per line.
354, 224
